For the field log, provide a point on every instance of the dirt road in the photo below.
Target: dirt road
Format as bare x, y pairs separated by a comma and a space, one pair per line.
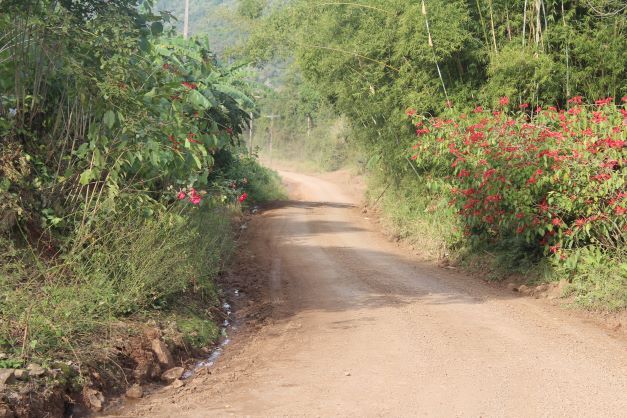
360, 328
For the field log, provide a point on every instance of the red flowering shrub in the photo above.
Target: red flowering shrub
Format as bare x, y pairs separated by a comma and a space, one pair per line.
556, 179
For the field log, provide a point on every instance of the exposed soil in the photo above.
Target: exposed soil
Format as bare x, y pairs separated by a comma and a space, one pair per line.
334, 319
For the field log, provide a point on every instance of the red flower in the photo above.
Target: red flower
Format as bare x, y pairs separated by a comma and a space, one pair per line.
478, 109
575, 100
181, 195
191, 86
243, 197
602, 177
556, 221
410, 112
504, 101
603, 102
524, 105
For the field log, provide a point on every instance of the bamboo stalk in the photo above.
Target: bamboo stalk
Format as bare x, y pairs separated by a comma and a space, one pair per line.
496, 50
435, 58
485, 33
524, 22
567, 53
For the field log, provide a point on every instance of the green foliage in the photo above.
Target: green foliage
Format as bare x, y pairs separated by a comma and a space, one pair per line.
198, 332
524, 75
132, 265
251, 9
599, 279
104, 123
260, 183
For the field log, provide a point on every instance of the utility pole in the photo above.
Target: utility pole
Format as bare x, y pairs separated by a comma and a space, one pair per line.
272, 118
186, 20
250, 135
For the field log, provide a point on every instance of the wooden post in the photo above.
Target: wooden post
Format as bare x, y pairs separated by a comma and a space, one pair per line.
309, 124
271, 137
250, 135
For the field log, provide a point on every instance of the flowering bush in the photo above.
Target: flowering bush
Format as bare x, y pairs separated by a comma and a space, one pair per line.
555, 178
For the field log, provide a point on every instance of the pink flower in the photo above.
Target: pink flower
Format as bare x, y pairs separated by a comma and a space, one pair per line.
182, 195
243, 197
194, 197
504, 101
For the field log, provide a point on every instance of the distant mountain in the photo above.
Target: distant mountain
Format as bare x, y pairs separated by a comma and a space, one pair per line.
211, 17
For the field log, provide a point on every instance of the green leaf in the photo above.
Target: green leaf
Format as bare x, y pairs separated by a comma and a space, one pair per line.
156, 28
109, 119
198, 100
85, 177
198, 163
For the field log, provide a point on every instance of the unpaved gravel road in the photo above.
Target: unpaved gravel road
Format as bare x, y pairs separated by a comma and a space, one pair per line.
358, 327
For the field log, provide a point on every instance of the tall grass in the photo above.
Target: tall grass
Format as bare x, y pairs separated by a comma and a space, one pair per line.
416, 213
130, 264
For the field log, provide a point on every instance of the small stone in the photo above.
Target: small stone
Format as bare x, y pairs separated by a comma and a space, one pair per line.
347, 373
21, 374
524, 289
163, 353
135, 392
178, 383
94, 399
542, 288
7, 376
4, 356
512, 287
172, 374
36, 370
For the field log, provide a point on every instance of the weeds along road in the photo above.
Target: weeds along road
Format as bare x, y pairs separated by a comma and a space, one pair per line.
360, 328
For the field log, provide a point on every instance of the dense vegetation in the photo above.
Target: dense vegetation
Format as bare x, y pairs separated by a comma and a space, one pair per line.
120, 171
540, 65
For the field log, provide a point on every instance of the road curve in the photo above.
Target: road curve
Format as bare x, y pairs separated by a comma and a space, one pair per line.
361, 328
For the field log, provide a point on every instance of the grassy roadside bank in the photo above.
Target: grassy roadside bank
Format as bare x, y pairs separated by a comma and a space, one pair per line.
421, 216
85, 325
